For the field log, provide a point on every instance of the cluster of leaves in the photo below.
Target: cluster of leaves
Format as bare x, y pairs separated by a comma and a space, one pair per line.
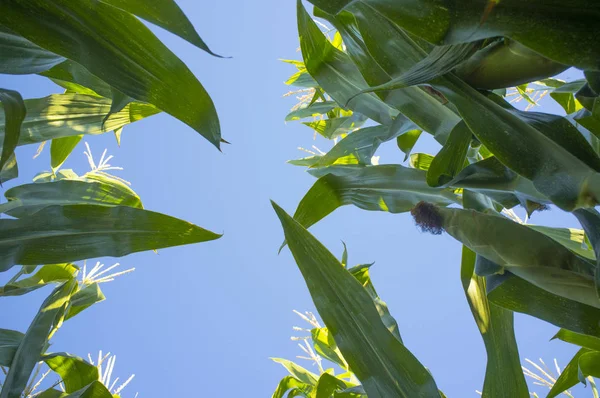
114, 71
405, 68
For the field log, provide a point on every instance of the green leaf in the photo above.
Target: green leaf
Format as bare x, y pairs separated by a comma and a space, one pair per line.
503, 375
298, 371
451, 158
326, 346
9, 343
328, 385
73, 371
167, 15
67, 115
590, 221
569, 376
359, 146
119, 49
68, 233
10, 170
84, 298
420, 161
27, 199
93, 390
590, 342
571, 238
361, 273
14, 113
35, 340
335, 72
47, 274
518, 295
61, 148
532, 151
414, 103
407, 141
288, 383
20, 56
391, 188
74, 78
316, 109
568, 42
385, 367
523, 251
333, 128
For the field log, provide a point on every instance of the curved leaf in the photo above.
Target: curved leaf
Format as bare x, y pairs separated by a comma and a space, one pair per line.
119, 49
9, 343
52, 273
19, 56
74, 372
14, 113
68, 233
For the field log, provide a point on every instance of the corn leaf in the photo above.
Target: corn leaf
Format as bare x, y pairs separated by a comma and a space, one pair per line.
14, 113
93, 390
52, 273
84, 298
451, 158
570, 374
10, 170
391, 188
384, 366
119, 49
167, 15
61, 148
523, 251
74, 371
518, 295
312, 110
503, 375
19, 56
9, 343
582, 340
36, 339
75, 232
568, 42
67, 115
27, 199
290, 383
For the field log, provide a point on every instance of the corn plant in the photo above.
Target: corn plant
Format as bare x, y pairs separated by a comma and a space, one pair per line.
393, 71
113, 71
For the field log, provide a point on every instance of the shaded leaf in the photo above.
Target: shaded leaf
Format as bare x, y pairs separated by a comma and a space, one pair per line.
9, 343
451, 158
288, 383
19, 56
316, 109
582, 340
84, 298
74, 372
14, 113
52, 273
569, 376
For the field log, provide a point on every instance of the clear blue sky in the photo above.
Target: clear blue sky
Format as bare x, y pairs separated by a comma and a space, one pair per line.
203, 320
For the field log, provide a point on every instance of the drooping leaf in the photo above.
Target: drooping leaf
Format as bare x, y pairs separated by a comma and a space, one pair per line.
19, 56
391, 188
93, 390
523, 251
328, 385
14, 113
385, 367
167, 15
52, 273
9, 343
67, 115
326, 346
61, 148
75, 232
74, 372
407, 141
27, 199
119, 49
333, 128
590, 221
571, 238
35, 340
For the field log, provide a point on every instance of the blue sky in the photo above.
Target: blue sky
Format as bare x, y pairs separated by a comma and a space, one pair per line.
203, 320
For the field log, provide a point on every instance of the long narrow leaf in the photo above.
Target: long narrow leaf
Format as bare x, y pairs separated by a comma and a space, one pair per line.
68, 233
385, 367
19, 56
14, 113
